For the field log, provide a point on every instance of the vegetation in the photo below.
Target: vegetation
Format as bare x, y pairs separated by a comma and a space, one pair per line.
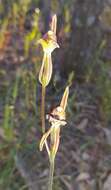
33, 78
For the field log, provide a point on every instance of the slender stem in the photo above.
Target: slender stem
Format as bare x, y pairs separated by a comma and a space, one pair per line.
43, 109
43, 116
51, 174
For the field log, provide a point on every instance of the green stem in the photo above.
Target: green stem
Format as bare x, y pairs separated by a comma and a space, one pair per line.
51, 173
43, 109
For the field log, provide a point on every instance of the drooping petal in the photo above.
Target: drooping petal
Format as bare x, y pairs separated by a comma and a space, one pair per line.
44, 138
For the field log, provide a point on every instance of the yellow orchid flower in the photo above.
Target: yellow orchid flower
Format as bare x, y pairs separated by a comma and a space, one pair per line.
49, 40
48, 43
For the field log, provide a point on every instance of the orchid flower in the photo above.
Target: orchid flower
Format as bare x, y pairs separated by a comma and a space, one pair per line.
57, 118
49, 44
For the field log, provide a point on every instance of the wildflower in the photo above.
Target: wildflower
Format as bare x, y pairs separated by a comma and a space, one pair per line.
49, 44
57, 118
49, 40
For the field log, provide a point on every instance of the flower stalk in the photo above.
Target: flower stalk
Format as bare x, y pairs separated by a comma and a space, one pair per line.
51, 174
43, 109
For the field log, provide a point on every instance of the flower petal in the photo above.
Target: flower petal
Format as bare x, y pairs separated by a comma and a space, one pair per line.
63, 103
54, 23
46, 70
43, 139
49, 42
55, 139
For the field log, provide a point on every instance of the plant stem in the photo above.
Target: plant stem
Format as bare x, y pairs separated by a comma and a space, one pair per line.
51, 173
43, 109
43, 116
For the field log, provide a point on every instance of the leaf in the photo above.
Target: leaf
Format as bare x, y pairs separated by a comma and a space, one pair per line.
8, 130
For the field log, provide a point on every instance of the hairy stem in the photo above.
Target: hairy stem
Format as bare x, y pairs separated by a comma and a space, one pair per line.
51, 173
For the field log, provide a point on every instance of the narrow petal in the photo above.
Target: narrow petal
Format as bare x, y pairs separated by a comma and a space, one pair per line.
54, 23
63, 103
41, 69
43, 139
56, 140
